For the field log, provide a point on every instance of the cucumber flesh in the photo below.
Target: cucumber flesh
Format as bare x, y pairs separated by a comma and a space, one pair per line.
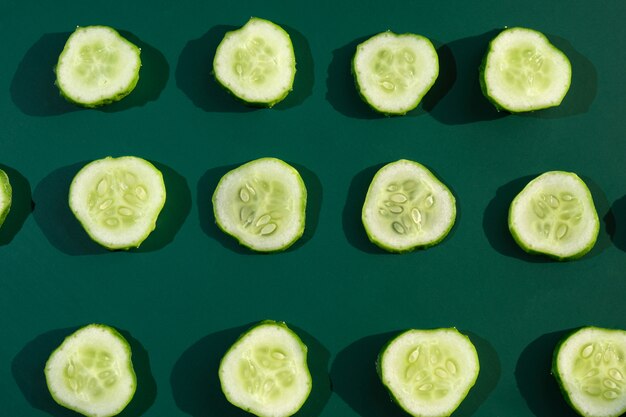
554, 215
407, 207
522, 71
265, 372
118, 200
590, 367
262, 204
91, 372
6, 194
429, 372
393, 72
97, 66
256, 63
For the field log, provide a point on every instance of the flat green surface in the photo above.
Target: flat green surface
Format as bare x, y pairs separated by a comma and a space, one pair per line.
190, 290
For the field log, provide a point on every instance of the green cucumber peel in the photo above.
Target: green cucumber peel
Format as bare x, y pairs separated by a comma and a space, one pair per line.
6, 196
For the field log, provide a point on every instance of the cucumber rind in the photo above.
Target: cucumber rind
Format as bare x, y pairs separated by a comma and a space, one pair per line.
56, 369
398, 390
489, 88
263, 168
6, 196
562, 365
365, 79
268, 331
285, 59
527, 240
445, 200
87, 96
124, 238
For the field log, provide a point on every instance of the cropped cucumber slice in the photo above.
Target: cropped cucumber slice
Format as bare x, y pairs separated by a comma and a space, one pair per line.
265, 372
429, 372
407, 207
92, 372
97, 66
554, 215
262, 204
590, 367
6, 194
118, 200
522, 71
393, 72
256, 63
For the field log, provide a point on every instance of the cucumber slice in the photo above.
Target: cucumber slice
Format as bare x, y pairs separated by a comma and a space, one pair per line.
256, 63
522, 71
265, 372
118, 200
393, 72
407, 207
429, 372
590, 367
6, 194
97, 66
262, 204
554, 215
92, 372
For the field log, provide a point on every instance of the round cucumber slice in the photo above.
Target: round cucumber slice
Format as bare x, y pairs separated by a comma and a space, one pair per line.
407, 207
97, 66
256, 63
429, 372
262, 204
393, 72
265, 371
590, 367
118, 200
554, 215
6, 194
92, 372
522, 71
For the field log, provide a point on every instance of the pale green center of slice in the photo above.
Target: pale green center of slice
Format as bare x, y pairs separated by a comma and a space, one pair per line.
599, 371
266, 372
255, 61
406, 206
556, 215
90, 372
97, 63
261, 205
526, 70
118, 199
394, 70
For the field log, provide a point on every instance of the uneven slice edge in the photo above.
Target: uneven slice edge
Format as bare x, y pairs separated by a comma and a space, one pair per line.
6, 196
560, 204
262, 204
428, 373
265, 371
406, 207
393, 72
590, 367
541, 69
256, 63
91, 372
118, 200
97, 66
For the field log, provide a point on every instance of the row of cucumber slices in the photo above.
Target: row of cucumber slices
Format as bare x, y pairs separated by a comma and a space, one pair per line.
522, 71
263, 205
428, 373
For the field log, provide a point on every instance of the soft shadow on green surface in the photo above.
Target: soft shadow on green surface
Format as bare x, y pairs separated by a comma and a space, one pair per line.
305, 71
534, 380
616, 223
313, 204
21, 205
445, 80
28, 366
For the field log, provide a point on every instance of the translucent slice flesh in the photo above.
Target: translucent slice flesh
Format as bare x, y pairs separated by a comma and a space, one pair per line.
118, 200
524, 71
6, 194
393, 72
262, 204
256, 62
429, 372
407, 207
591, 368
265, 372
555, 215
97, 66
91, 372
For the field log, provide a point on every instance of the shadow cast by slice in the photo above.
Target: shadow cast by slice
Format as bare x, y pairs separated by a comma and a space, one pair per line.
21, 205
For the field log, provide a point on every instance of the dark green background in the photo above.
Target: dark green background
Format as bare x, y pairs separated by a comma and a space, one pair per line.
185, 295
